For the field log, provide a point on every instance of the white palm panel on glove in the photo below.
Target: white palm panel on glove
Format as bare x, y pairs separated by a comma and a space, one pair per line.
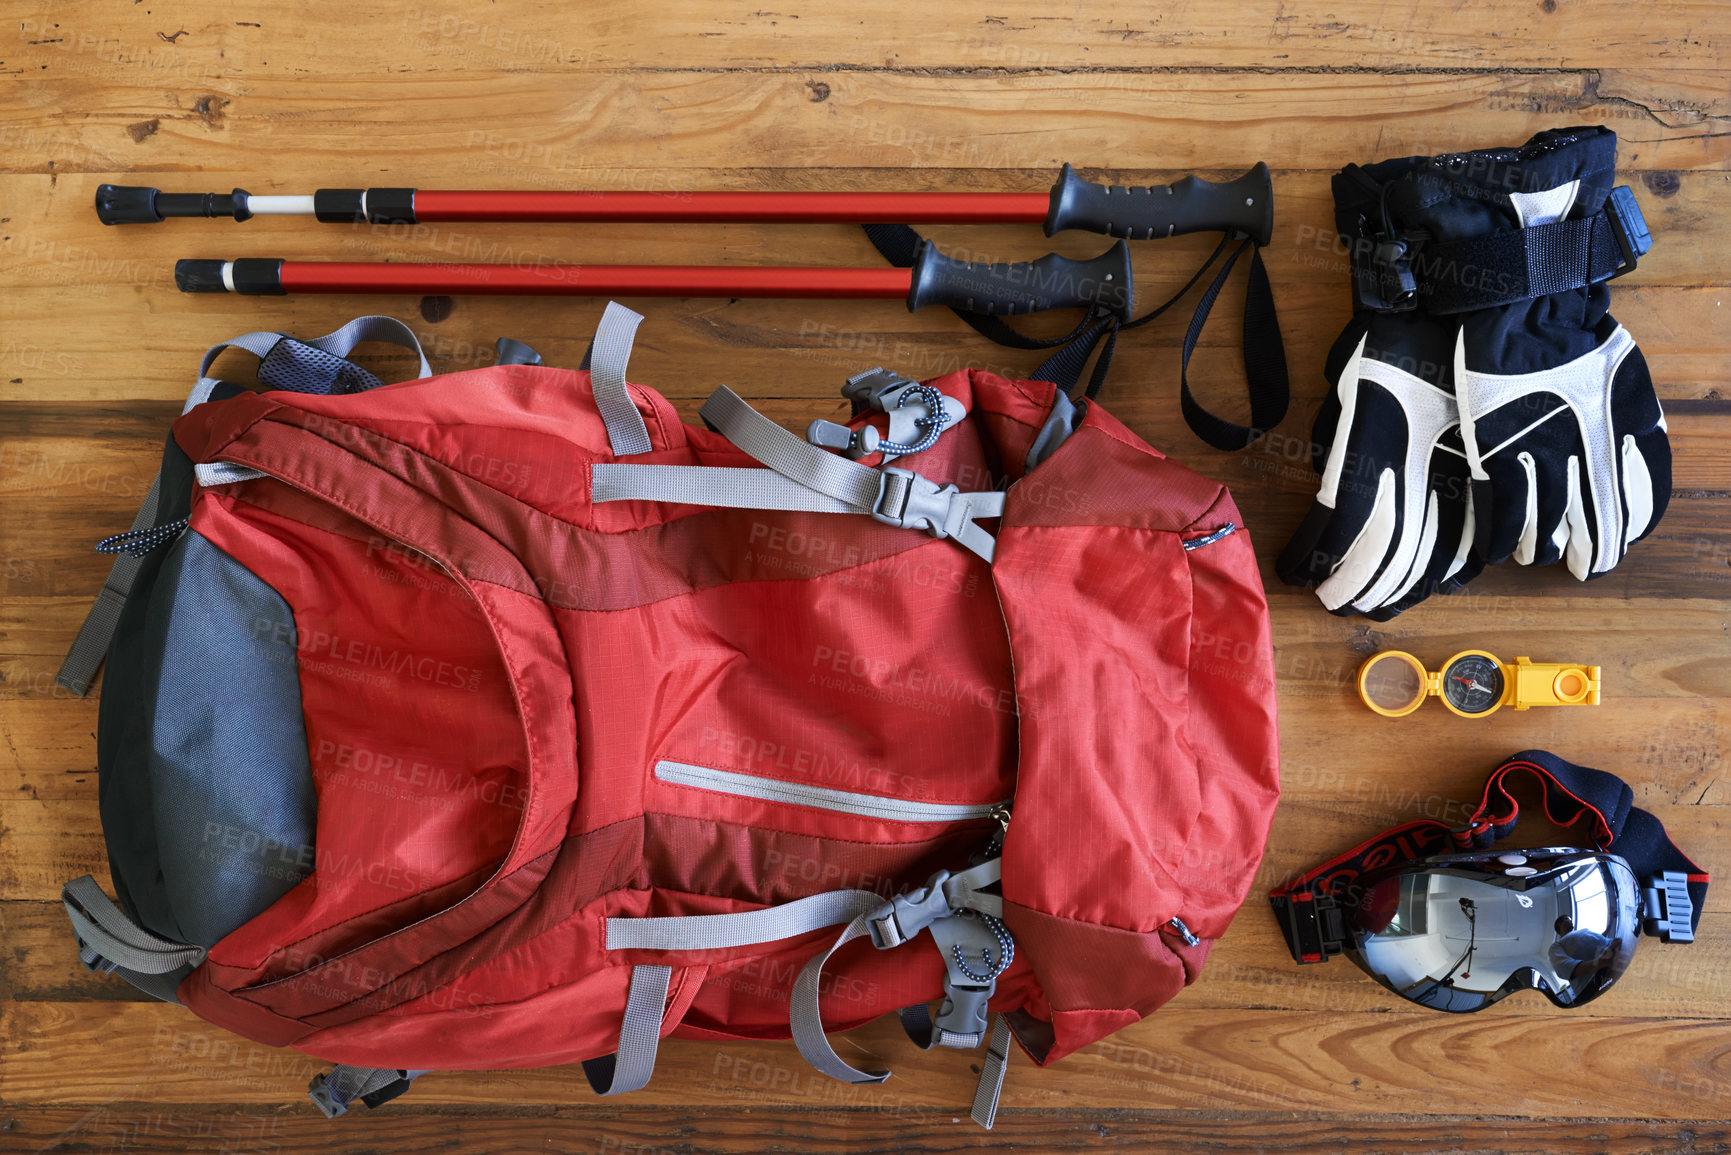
1569, 463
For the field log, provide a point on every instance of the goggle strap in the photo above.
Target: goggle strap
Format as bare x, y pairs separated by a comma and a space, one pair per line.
1572, 792
1306, 907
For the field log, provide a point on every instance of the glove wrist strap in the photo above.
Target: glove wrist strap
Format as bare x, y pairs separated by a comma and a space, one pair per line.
1407, 270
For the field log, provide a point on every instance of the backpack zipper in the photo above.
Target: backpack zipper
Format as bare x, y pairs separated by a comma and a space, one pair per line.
819, 797
1001, 815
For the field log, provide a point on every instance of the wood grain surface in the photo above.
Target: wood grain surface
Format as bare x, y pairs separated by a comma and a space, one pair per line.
97, 350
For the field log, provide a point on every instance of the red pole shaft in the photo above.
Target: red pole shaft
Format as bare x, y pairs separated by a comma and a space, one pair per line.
759, 207
594, 280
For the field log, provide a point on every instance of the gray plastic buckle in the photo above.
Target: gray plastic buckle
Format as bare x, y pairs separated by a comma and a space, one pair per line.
867, 388
907, 500
322, 1098
906, 915
961, 1020
961, 938
856, 443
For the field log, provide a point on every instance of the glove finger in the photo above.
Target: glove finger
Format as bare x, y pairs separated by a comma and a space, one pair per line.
1447, 547
1471, 567
1414, 567
1429, 417
1578, 549
1367, 558
1560, 510
1522, 502
1644, 447
1305, 561
1646, 482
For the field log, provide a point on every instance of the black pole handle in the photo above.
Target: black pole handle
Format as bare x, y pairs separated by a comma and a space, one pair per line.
1052, 282
1192, 205
125, 204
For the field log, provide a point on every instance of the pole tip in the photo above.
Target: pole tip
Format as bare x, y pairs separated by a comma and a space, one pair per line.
123, 204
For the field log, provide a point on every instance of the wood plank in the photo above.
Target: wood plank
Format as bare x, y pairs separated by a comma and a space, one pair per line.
547, 39
416, 127
148, 345
142, 1126
1405, 1063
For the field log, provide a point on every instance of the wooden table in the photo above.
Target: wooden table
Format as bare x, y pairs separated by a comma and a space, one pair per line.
98, 349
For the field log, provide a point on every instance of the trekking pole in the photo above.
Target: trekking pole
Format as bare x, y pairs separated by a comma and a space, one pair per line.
1190, 205
1051, 282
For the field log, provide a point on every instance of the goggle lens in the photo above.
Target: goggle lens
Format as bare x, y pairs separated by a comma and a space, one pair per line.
1460, 932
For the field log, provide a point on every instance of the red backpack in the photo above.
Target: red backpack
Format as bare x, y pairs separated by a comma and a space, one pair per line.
500, 719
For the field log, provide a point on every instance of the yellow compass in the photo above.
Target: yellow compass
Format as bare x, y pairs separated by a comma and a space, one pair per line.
1473, 683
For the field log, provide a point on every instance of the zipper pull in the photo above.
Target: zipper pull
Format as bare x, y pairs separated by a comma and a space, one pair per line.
1177, 924
1001, 815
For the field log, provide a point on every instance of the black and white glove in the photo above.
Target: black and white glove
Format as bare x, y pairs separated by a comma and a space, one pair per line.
1392, 522
1557, 449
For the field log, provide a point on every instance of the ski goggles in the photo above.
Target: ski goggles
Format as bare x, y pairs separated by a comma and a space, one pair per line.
1461, 930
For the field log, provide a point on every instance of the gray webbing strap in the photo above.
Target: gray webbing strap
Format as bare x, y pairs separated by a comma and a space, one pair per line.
339, 343
722, 931
333, 1091
710, 485
964, 888
828, 473
211, 473
806, 1020
890, 924
608, 356
802, 476
103, 928
84, 658
258, 344
374, 328
985, 1107
629, 1067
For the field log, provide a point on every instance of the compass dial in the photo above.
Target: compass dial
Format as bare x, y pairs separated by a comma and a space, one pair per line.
1473, 684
